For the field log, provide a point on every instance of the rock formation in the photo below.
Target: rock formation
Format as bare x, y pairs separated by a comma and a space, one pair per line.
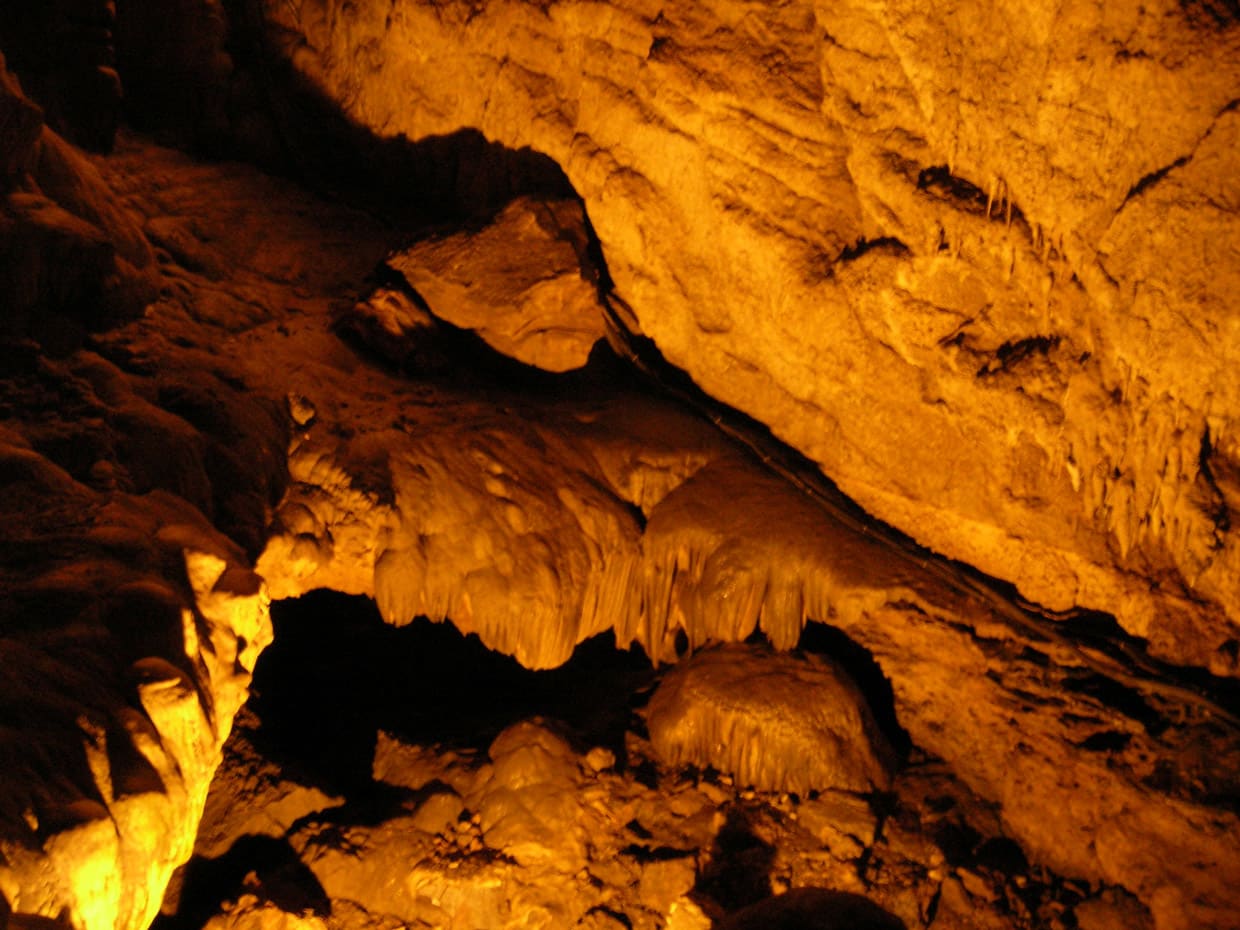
1002, 233
524, 283
975, 263
774, 722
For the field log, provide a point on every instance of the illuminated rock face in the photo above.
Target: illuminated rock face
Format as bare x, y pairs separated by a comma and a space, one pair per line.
984, 283
976, 261
778, 723
524, 283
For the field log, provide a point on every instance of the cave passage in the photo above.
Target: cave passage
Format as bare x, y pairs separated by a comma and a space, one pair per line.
544, 787
336, 674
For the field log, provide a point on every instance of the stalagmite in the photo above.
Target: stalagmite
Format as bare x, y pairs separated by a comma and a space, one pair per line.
777, 723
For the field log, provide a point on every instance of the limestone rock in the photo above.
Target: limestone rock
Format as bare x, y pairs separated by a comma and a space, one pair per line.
539, 520
1005, 235
522, 282
127, 689
71, 257
528, 805
776, 722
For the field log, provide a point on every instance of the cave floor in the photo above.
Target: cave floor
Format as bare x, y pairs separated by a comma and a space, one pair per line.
518, 819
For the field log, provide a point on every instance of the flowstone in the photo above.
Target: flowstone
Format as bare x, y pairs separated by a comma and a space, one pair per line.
775, 721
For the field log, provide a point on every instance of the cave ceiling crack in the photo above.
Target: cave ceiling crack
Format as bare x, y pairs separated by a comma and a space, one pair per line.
1153, 178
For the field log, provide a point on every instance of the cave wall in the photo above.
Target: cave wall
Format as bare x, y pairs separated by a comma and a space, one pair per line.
974, 260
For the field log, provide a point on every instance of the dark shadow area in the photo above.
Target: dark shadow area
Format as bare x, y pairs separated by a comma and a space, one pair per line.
213, 80
859, 663
813, 909
738, 873
63, 53
445, 354
252, 862
337, 674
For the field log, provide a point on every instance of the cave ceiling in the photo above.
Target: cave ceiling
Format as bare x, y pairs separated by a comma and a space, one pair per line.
683, 322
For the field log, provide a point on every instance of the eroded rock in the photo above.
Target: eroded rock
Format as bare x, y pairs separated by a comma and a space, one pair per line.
777, 722
1001, 234
524, 282
538, 520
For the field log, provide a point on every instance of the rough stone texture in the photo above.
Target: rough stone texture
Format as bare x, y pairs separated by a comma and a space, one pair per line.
130, 623
71, 258
1004, 233
769, 186
522, 282
449, 516
542, 836
126, 654
777, 722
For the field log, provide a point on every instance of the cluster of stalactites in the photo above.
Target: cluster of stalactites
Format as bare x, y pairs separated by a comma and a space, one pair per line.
619, 515
729, 552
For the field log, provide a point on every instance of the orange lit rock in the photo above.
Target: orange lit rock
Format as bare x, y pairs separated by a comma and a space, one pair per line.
117, 705
773, 721
973, 260
536, 520
523, 283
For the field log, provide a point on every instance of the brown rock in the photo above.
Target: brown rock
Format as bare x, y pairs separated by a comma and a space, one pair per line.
804, 213
523, 283
773, 721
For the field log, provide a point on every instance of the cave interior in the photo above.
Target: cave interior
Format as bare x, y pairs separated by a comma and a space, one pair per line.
619, 465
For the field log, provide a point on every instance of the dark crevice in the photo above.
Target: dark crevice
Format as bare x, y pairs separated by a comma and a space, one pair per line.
1153, 178
862, 246
938, 181
1211, 15
1118, 697
739, 868
646, 854
1012, 353
1106, 741
1216, 505
252, 861
866, 674
337, 674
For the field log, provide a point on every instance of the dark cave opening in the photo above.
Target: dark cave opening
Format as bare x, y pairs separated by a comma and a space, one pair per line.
336, 674
866, 673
